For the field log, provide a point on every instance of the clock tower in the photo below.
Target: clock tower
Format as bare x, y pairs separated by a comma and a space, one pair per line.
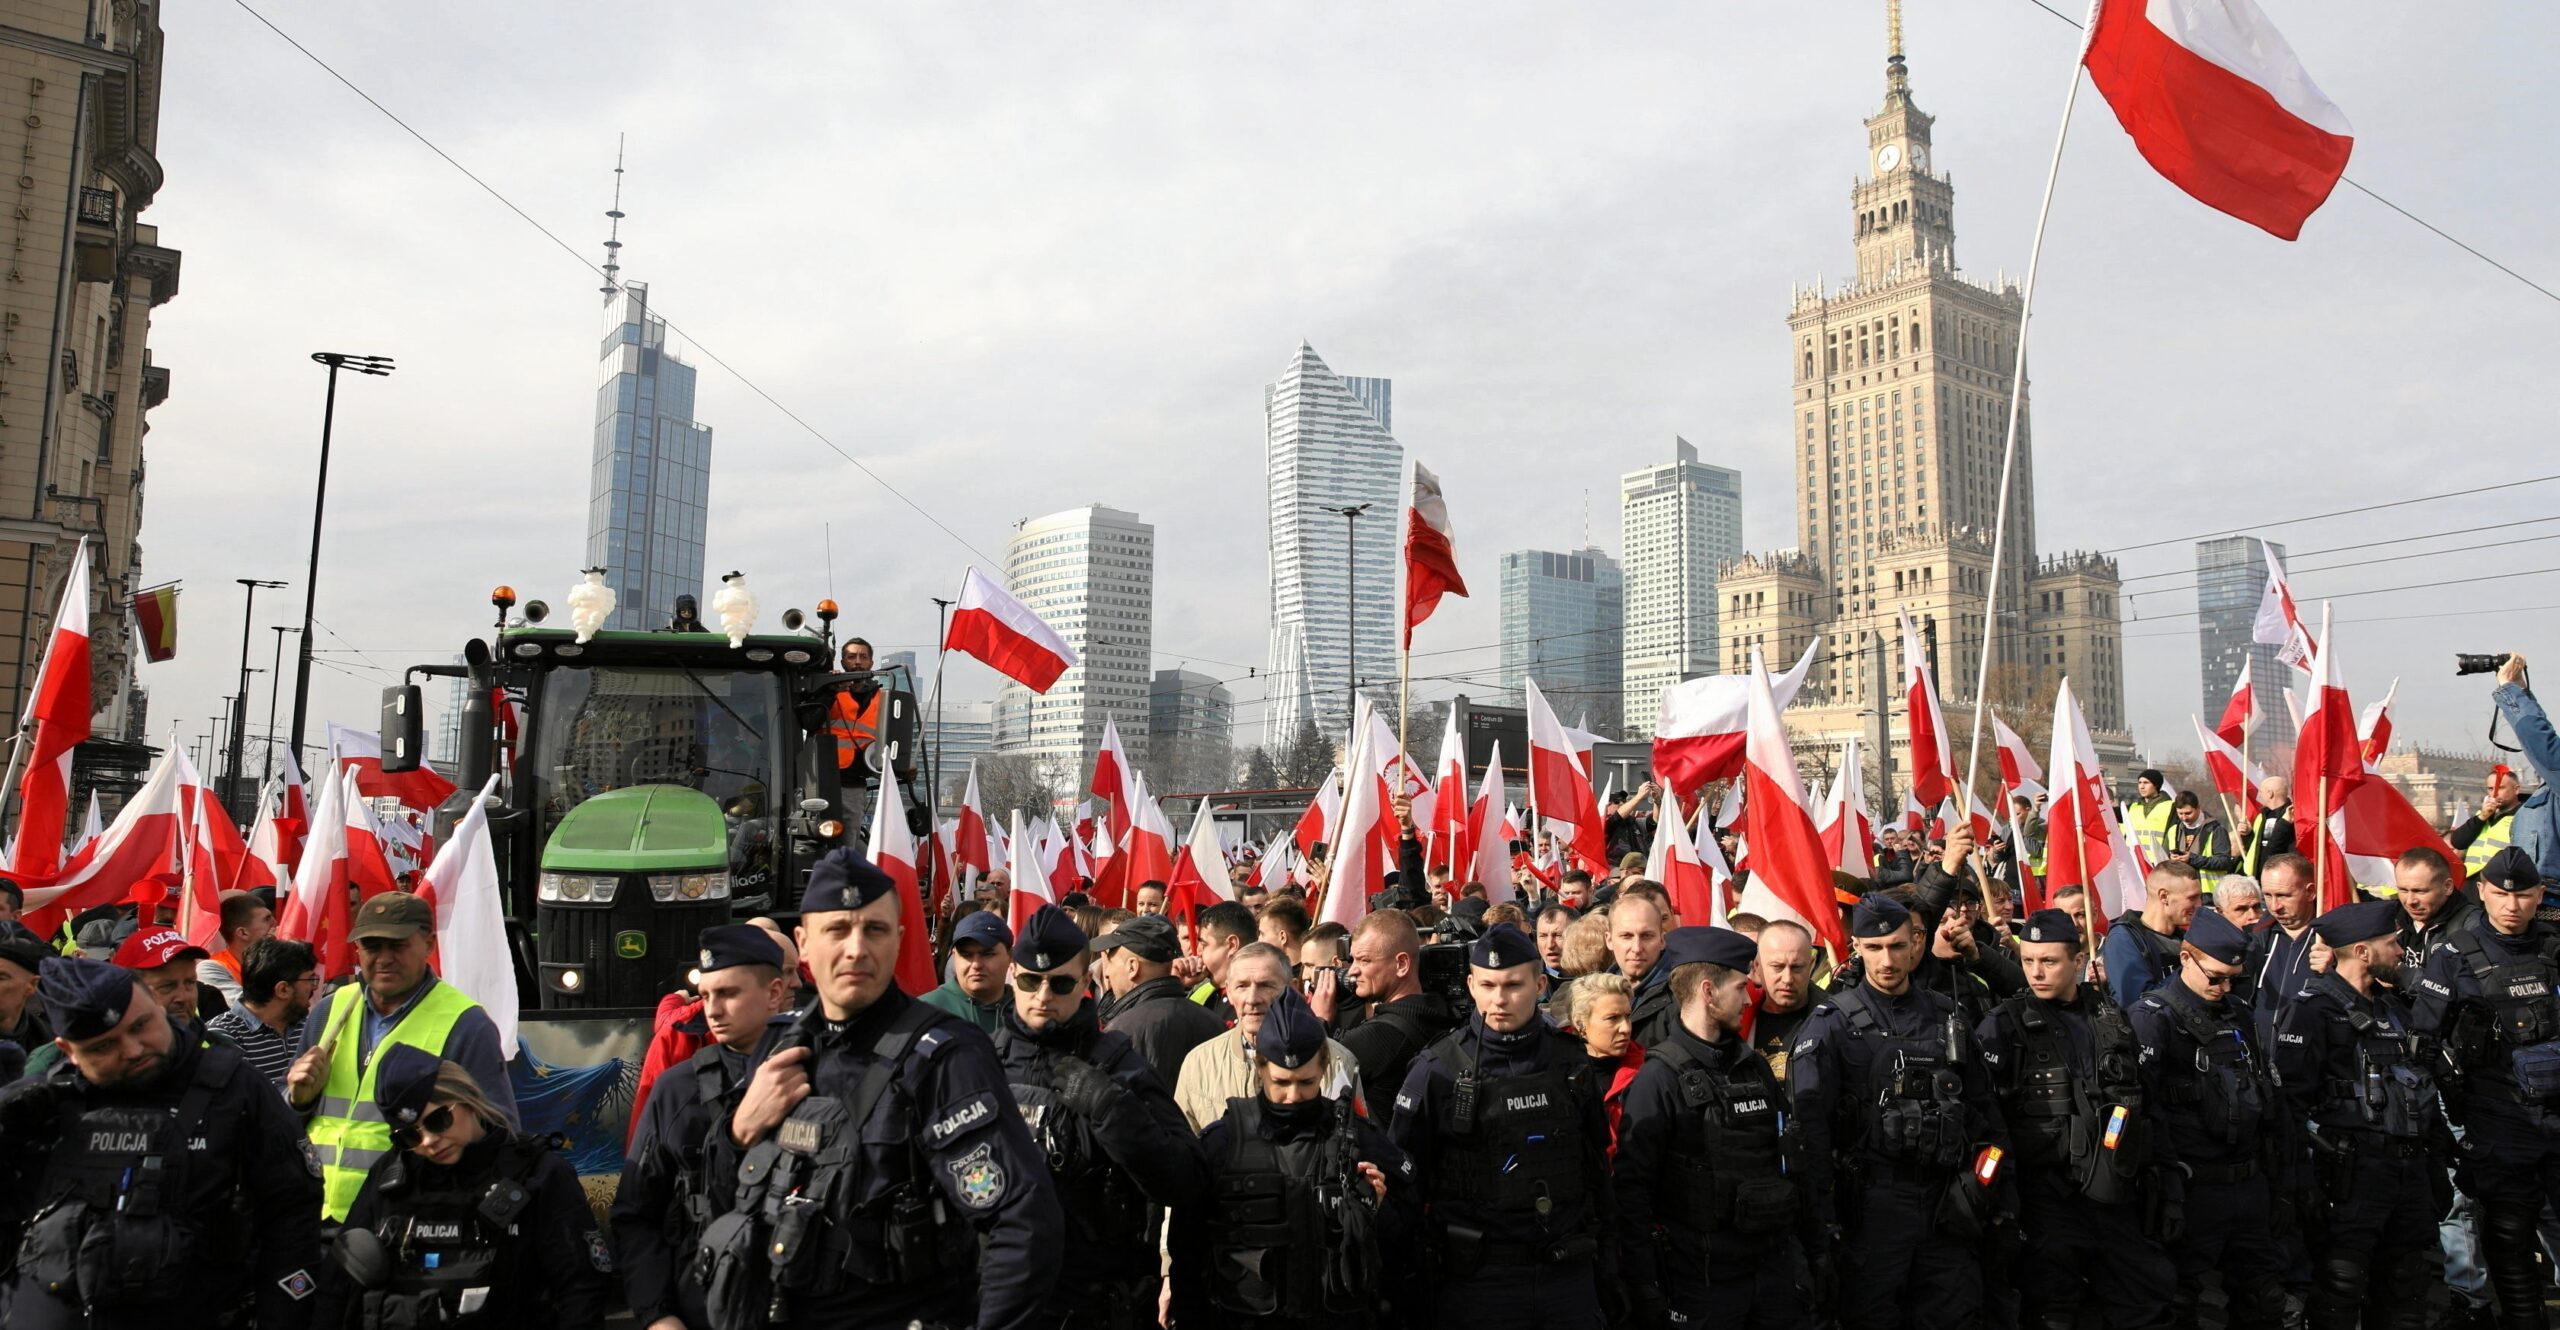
1905, 210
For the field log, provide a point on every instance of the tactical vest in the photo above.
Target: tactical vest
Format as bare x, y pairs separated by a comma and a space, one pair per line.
797, 1227
451, 1237
1727, 1163
2523, 1034
1290, 1238
1513, 1148
689, 1210
2387, 1092
2223, 1084
2091, 1125
106, 1238
1105, 1209
1912, 1110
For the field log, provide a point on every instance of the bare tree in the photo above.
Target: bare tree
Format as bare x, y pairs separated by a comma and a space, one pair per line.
1010, 782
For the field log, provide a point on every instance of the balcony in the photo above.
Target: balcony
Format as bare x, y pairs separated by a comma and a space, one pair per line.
99, 235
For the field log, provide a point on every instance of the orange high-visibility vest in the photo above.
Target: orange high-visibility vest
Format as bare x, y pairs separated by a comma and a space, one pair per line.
855, 725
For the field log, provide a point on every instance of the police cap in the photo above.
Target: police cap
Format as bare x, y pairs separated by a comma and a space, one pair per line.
85, 998
1049, 939
1502, 947
2356, 921
843, 880
2216, 936
2051, 926
26, 955
1291, 1035
1696, 945
404, 1081
725, 946
2510, 869
1878, 915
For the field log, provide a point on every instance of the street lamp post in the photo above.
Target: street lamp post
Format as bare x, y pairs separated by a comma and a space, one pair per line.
376, 366
240, 709
275, 685
1350, 514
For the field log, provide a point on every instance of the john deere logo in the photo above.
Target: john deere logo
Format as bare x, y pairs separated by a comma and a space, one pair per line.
631, 946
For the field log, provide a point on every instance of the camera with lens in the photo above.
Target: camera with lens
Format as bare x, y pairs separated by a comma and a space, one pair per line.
1443, 971
2478, 662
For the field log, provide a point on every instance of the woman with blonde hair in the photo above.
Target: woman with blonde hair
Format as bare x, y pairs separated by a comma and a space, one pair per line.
1601, 1009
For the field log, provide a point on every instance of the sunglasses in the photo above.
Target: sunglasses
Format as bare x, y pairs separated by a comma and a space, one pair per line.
1059, 984
438, 1121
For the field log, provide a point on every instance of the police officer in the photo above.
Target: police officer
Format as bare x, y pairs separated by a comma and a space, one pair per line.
876, 1152
2217, 1109
666, 1197
1309, 1203
1708, 1210
150, 1180
1902, 1136
2351, 1071
1504, 1123
2488, 992
469, 1223
1119, 1151
2088, 1160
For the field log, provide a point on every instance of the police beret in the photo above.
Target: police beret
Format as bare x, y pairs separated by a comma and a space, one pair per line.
1147, 936
728, 945
1502, 947
404, 1081
1291, 1035
984, 927
1698, 945
2050, 926
1878, 915
2218, 937
1049, 939
843, 880
2356, 921
85, 998
2510, 869
26, 955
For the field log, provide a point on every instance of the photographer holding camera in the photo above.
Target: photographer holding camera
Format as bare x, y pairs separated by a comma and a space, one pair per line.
2536, 825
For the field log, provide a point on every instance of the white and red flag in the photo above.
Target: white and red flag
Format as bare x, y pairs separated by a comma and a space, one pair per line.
1699, 738
1359, 870
1316, 823
360, 752
2228, 768
1030, 886
991, 625
61, 713
1558, 783
1490, 839
1786, 852
146, 839
1149, 849
461, 883
2240, 713
1198, 878
2373, 729
969, 838
1430, 560
1673, 861
2084, 843
293, 812
2328, 761
2019, 773
317, 911
893, 851
1932, 766
2216, 101
1452, 823
1111, 772
2279, 621
1847, 825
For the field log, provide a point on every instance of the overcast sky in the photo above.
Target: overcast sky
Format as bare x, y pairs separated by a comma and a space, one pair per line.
1021, 258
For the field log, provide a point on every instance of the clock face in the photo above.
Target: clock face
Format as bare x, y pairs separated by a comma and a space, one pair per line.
1889, 157
1920, 158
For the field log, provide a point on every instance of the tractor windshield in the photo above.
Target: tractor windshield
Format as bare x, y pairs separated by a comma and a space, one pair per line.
611, 727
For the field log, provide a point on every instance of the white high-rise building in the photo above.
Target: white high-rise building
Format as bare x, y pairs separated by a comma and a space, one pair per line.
1329, 444
1682, 520
1090, 573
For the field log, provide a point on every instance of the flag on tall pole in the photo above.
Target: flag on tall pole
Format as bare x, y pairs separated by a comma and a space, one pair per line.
1699, 738
1559, 785
1430, 558
990, 624
2239, 714
1932, 766
2373, 729
2328, 762
2217, 102
2279, 621
1847, 825
1452, 822
471, 918
1786, 852
2084, 843
1490, 844
60, 718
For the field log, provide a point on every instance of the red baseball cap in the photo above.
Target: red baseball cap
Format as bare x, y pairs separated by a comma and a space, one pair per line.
151, 948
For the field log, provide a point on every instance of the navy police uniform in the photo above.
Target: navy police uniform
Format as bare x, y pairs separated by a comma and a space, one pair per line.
1119, 1152
1709, 1209
904, 1188
1510, 1136
1290, 1235
2077, 1103
1898, 1117
2217, 1108
502, 1236
188, 1198
2352, 1074
2490, 998
667, 1197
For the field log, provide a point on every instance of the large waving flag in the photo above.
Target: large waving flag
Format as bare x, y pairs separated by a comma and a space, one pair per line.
1111, 773
2279, 621
61, 720
2217, 102
1430, 560
1786, 852
1673, 862
1559, 785
145, 839
2084, 843
2328, 763
316, 912
1358, 868
1005, 633
1699, 738
2239, 714
471, 918
1847, 825
2019, 773
1198, 878
893, 851
2230, 770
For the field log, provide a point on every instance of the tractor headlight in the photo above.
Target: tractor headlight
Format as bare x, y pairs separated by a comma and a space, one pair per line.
689, 886
577, 889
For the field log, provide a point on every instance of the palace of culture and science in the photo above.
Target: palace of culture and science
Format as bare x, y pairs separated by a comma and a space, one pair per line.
1901, 383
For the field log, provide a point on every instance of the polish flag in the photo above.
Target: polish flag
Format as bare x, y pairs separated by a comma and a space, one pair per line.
144, 840
2373, 728
2229, 769
1279, 862
2239, 715
1198, 876
1729, 812
1924, 726
1058, 859
471, 917
1559, 784
1786, 851
969, 838
1699, 738
213, 858
1111, 772
368, 865
1030, 887
1846, 823
2279, 620
316, 912
1452, 819
1915, 817
2019, 773
2084, 843
61, 719
1673, 862
2376, 826
1490, 864
2217, 102
360, 751
1398, 769
264, 837
1702, 838
2328, 759
293, 812
90, 826
1150, 844
1315, 825
1430, 560
1358, 870
893, 851
994, 627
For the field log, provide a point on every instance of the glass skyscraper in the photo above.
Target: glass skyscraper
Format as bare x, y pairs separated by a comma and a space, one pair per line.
1563, 617
651, 484
1329, 444
1682, 521
2231, 578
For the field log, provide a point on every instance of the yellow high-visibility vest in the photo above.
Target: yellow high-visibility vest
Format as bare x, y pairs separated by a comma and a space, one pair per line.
349, 1133
2494, 836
